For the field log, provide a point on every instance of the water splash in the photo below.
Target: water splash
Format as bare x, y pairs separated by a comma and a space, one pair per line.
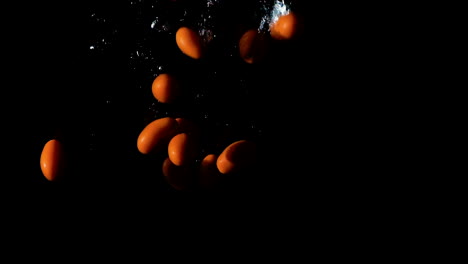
280, 8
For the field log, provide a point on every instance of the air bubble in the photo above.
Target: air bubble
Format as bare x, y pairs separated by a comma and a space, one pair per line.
153, 24
160, 26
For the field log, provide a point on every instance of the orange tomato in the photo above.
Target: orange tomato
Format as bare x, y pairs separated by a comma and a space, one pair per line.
156, 134
210, 177
51, 160
189, 42
236, 156
286, 27
253, 46
165, 88
179, 177
182, 149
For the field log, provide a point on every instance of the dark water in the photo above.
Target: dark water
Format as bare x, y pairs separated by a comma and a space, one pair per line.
86, 80
83, 74
318, 108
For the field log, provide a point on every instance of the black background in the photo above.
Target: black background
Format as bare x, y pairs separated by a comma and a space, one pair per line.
309, 98
332, 165
96, 103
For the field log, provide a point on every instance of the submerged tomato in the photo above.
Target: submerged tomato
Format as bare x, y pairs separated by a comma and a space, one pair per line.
236, 156
52, 160
165, 88
286, 27
189, 42
156, 134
